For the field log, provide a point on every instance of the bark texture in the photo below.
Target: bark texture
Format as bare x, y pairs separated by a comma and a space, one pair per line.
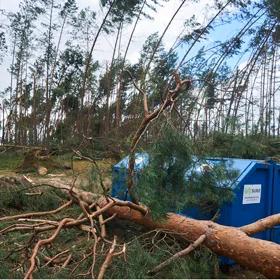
256, 254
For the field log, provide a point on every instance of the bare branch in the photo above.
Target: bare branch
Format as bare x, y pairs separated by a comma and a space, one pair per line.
261, 225
180, 254
145, 100
109, 219
108, 259
55, 257
40, 243
102, 224
37, 214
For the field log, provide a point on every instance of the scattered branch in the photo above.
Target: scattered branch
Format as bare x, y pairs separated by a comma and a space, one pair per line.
261, 225
102, 224
36, 214
109, 219
256, 254
108, 260
56, 257
180, 254
40, 243
67, 261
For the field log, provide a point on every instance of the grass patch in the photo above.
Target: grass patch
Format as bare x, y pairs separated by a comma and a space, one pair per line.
15, 197
146, 253
9, 161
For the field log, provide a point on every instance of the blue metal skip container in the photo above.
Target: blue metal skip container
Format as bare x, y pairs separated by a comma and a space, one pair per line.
256, 188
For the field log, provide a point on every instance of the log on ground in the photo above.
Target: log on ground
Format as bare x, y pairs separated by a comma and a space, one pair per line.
256, 254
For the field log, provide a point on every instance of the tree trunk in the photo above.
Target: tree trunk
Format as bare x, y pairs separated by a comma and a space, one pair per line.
88, 61
119, 84
256, 254
48, 64
3, 122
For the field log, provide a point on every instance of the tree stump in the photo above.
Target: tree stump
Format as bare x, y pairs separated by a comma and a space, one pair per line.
39, 161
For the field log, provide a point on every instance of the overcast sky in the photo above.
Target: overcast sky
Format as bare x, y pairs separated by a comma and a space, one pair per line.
103, 50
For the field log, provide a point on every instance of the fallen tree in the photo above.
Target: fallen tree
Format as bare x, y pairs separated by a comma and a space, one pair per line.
256, 254
259, 255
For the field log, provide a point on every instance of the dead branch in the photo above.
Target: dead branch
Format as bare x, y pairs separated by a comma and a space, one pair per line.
108, 260
80, 262
42, 221
87, 229
67, 261
84, 207
145, 100
102, 224
109, 219
70, 223
34, 194
261, 225
21, 227
40, 243
96, 239
56, 257
180, 254
142, 209
36, 214
170, 98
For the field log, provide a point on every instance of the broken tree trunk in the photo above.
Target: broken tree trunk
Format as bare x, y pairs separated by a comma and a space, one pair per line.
256, 254
40, 161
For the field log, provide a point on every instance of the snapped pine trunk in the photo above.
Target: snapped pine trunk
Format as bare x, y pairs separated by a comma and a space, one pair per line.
256, 254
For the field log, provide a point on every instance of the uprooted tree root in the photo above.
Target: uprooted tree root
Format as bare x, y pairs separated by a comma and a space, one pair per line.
40, 161
84, 212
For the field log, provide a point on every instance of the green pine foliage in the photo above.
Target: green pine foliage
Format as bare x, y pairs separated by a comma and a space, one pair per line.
162, 185
220, 144
210, 189
146, 252
14, 196
170, 181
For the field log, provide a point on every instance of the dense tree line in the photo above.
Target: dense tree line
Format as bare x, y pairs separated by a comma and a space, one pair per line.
59, 94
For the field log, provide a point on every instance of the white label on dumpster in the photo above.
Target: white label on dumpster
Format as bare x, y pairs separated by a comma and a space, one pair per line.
252, 194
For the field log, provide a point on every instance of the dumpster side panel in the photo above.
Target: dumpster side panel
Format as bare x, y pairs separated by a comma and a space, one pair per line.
247, 208
119, 175
252, 199
119, 178
275, 231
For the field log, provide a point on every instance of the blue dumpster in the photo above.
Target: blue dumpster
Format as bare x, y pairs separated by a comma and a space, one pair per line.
275, 204
119, 189
256, 189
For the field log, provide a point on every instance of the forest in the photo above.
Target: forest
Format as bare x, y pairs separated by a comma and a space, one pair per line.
139, 139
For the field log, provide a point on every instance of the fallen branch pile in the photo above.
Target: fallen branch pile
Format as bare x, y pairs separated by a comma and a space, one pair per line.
259, 255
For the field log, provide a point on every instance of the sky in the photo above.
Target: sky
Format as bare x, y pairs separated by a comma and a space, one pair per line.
103, 50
